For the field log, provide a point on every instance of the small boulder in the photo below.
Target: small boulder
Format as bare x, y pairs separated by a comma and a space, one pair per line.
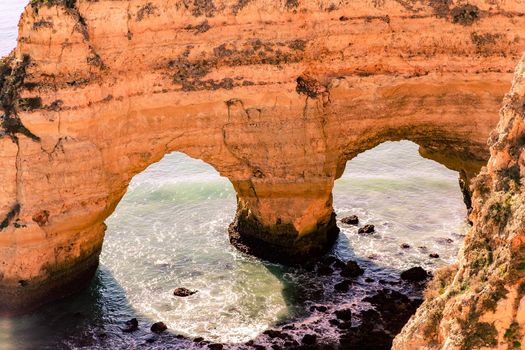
405, 246
309, 339
183, 292
342, 287
272, 333
352, 269
158, 327
350, 220
414, 274
367, 229
324, 270
320, 308
215, 346
344, 314
131, 326
434, 255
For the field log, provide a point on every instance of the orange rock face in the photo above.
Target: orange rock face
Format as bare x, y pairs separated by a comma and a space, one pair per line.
276, 95
480, 302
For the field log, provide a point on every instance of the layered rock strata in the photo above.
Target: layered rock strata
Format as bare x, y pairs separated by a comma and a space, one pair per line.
275, 95
480, 301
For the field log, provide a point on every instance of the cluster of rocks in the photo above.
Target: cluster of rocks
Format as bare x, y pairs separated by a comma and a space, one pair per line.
370, 229
372, 329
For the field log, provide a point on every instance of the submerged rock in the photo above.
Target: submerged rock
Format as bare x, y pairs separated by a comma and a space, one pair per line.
344, 314
158, 327
350, 220
324, 270
183, 292
131, 326
415, 274
309, 339
352, 269
272, 333
367, 229
342, 286
394, 307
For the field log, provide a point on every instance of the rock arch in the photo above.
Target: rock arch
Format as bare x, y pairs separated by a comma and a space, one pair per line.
253, 88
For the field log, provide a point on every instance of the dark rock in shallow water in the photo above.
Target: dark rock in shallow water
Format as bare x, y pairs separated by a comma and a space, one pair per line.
395, 308
215, 346
414, 274
367, 229
344, 314
342, 286
350, 220
131, 326
183, 292
369, 280
309, 339
352, 269
158, 327
272, 333
423, 249
198, 339
434, 255
320, 308
405, 246
324, 270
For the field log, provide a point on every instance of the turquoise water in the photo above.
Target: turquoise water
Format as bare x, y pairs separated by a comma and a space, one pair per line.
170, 230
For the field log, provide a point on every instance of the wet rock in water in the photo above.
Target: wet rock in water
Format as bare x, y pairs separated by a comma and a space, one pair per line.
309, 339
344, 314
350, 220
198, 339
423, 249
215, 346
352, 269
367, 229
369, 280
339, 264
414, 274
320, 308
334, 322
158, 327
368, 335
434, 255
444, 240
150, 340
272, 333
131, 326
394, 307
183, 292
405, 246
324, 270
342, 286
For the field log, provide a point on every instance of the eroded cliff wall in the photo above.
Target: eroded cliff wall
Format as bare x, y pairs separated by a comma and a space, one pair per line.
480, 302
276, 95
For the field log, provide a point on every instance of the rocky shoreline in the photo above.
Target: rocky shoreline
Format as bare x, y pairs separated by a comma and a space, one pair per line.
336, 321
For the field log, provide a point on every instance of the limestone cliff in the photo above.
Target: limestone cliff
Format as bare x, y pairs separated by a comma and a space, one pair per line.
276, 95
480, 303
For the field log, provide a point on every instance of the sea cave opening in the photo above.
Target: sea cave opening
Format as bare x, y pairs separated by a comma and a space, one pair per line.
170, 231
